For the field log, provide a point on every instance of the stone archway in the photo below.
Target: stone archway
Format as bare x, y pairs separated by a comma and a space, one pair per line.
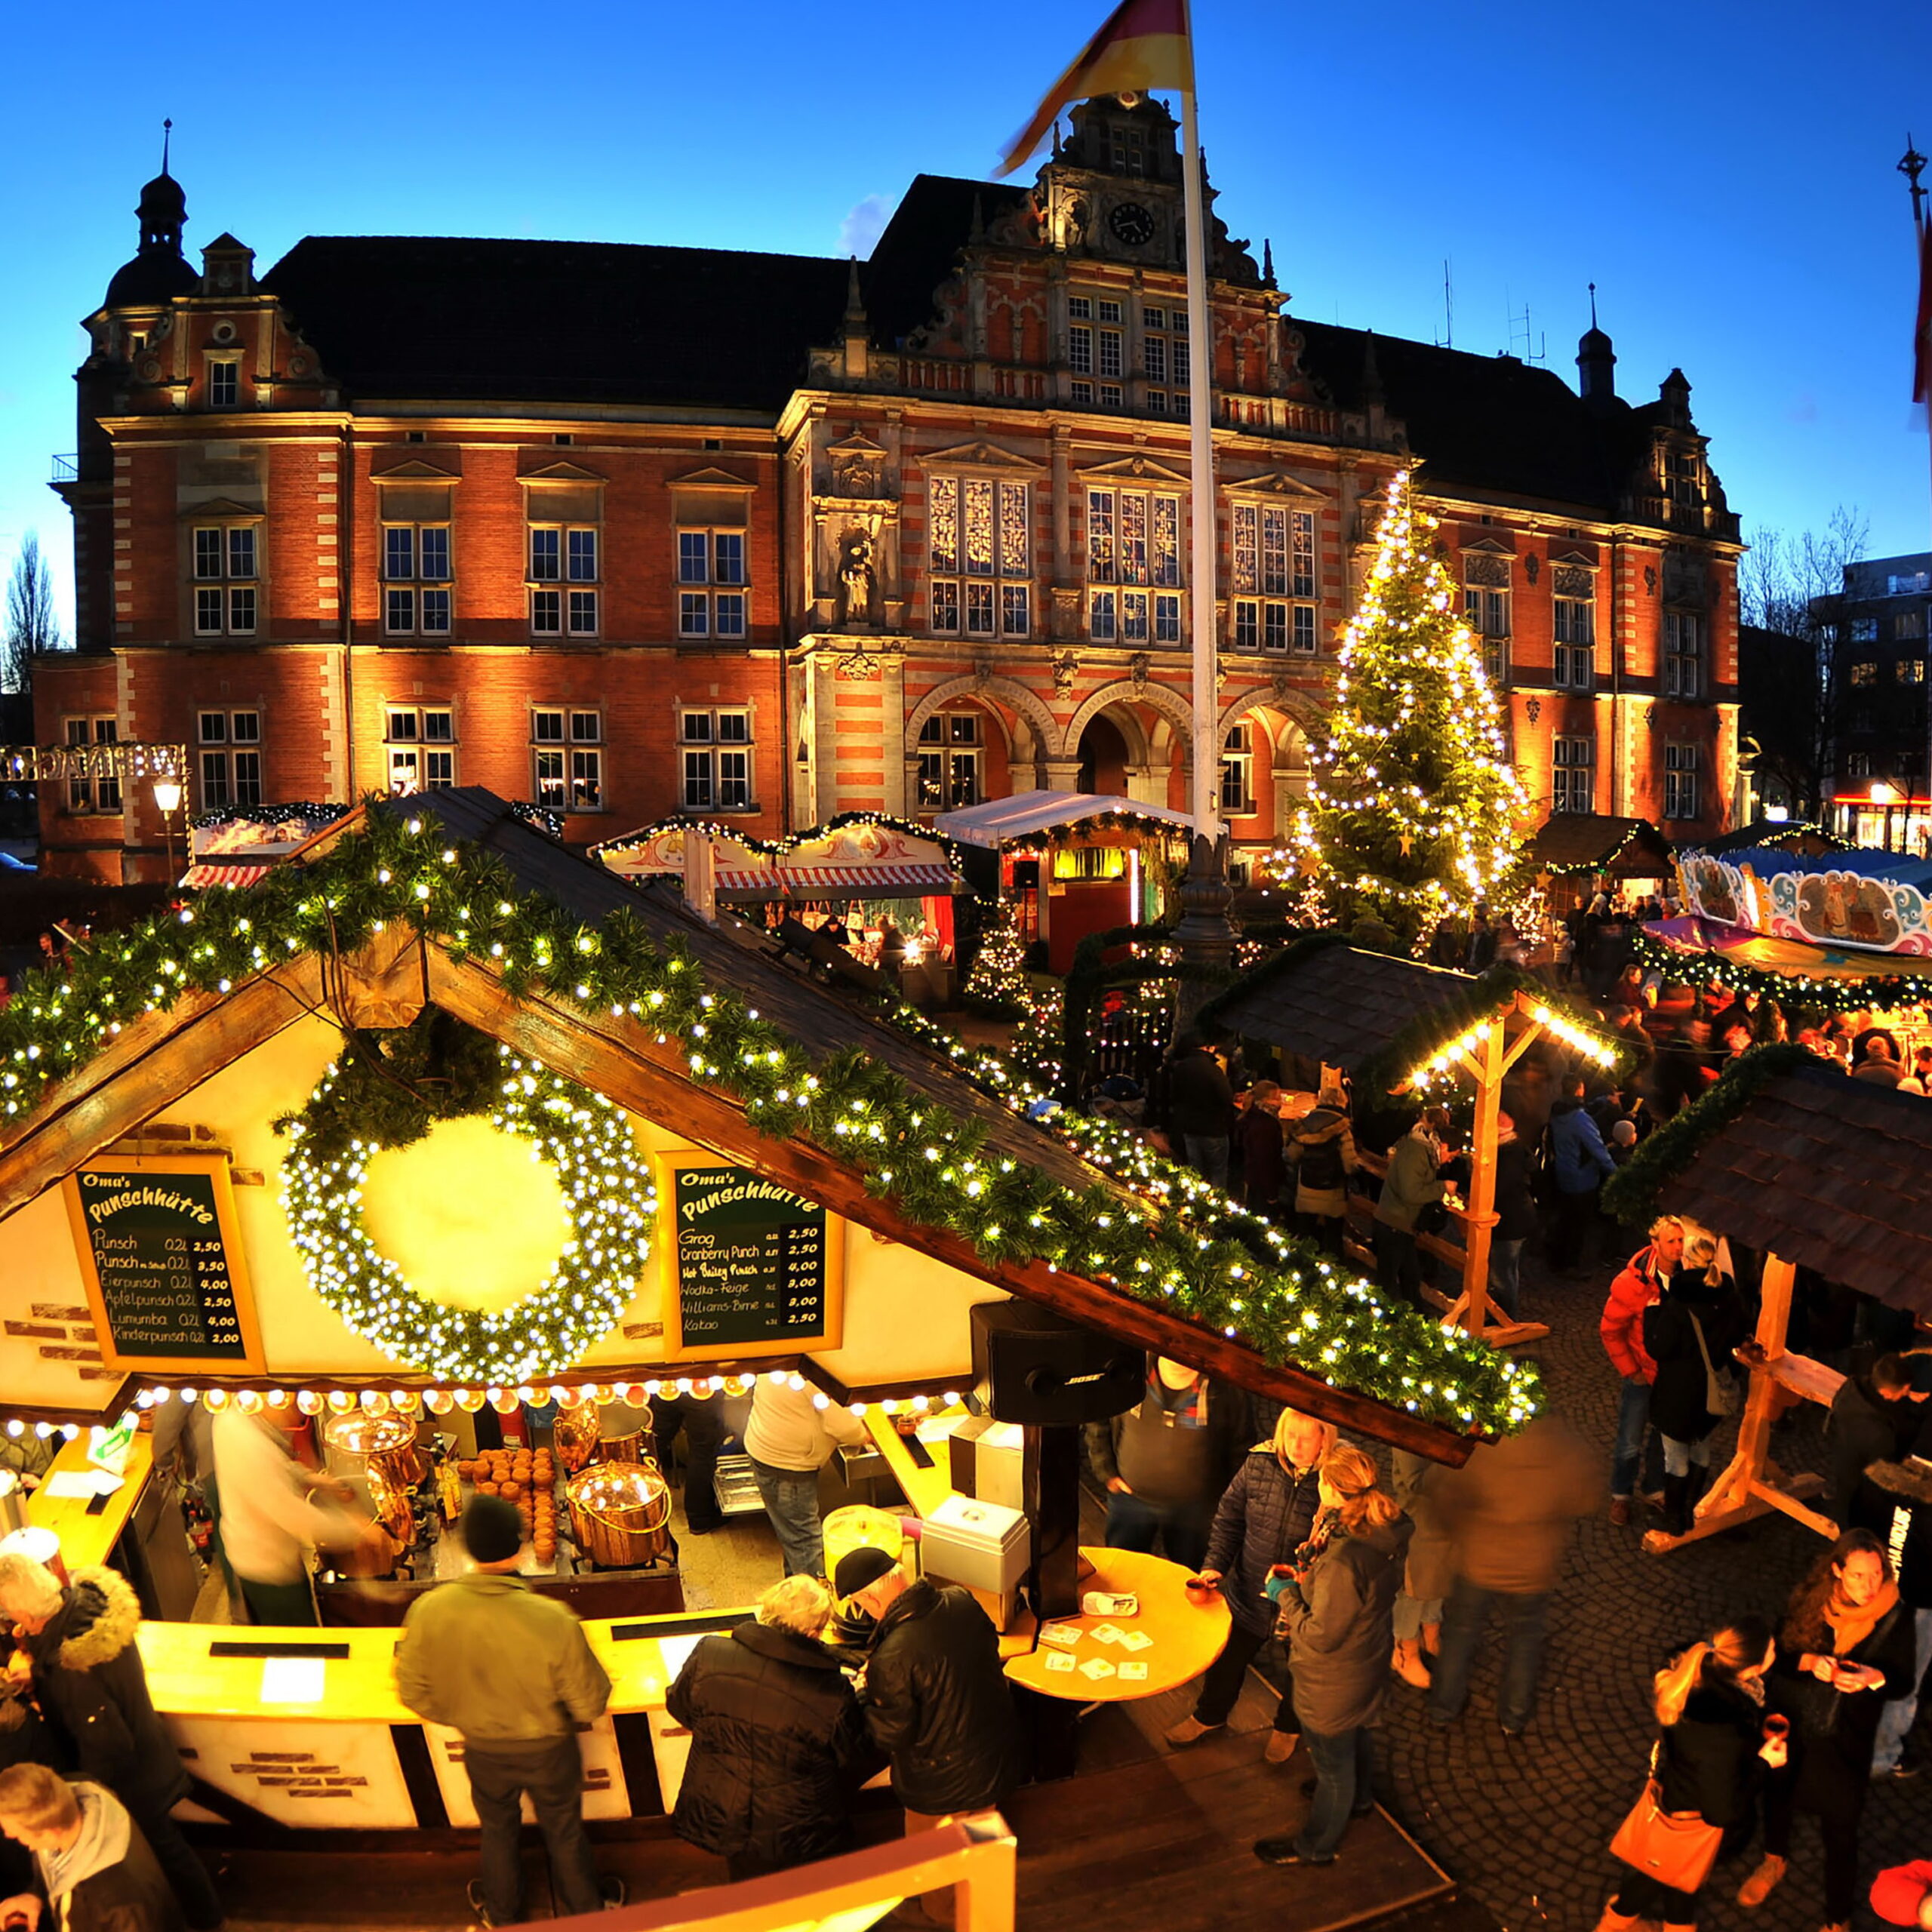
1155, 760
1035, 741
1288, 761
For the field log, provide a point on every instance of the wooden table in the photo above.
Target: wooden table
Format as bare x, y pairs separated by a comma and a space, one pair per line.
1188, 1636
85, 1540
925, 1490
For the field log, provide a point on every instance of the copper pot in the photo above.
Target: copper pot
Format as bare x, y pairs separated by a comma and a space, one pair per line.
575, 1436
620, 1514
389, 1505
356, 1443
632, 1448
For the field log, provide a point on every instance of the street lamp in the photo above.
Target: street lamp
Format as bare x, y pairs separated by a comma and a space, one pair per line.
167, 801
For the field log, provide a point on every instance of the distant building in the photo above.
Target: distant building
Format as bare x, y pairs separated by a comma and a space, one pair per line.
1877, 637
632, 530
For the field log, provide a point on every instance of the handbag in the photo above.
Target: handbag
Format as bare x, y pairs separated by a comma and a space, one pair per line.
1676, 1852
1719, 1397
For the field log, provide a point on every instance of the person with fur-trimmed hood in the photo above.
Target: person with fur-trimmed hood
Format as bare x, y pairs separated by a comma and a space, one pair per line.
88, 1680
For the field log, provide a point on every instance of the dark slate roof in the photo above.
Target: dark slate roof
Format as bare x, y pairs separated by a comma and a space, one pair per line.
1571, 840
1828, 1172
1488, 422
1334, 1003
1780, 837
152, 279
432, 317
921, 244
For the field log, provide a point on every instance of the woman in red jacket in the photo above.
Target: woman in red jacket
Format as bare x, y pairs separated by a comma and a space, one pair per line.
1634, 1290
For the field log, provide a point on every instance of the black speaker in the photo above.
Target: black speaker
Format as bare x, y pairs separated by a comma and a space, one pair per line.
1030, 1366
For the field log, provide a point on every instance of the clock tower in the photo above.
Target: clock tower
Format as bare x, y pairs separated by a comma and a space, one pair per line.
1113, 190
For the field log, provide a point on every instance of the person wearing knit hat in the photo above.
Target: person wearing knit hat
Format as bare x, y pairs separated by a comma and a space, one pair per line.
513, 1672
936, 1701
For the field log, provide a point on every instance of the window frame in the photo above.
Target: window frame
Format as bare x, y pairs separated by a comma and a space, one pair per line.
716, 605
577, 751
709, 752
1684, 665
1238, 763
226, 364
224, 754
562, 605
1683, 766
1573, 766
966, 597
946, 759
231, 592
100, 796
420, 751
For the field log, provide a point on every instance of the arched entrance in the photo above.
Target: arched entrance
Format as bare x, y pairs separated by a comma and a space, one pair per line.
1104, 759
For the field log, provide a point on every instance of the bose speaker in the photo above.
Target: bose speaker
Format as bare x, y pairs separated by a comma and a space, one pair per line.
1030, 1366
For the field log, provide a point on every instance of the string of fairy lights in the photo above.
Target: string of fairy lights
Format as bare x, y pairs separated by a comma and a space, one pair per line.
1413, 802
1172, 1241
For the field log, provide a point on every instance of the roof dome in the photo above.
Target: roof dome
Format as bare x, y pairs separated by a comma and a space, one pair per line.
159, 271
163, 205
1593, 342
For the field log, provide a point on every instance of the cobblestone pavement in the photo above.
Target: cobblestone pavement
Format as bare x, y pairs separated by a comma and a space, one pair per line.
1524, 1825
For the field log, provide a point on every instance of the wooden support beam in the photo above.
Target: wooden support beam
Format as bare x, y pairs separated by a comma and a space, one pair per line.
623, 1059
170, 1054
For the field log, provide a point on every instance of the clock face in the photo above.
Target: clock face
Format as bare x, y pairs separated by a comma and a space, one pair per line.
1131, 223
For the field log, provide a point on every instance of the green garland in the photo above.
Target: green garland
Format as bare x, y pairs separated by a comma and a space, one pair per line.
1631, 1194
608, 1200
1179, 1245
1704, 970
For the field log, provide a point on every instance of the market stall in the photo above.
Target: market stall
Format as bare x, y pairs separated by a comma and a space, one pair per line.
448, 1151
1812, 1170
1578, 854
1070, 863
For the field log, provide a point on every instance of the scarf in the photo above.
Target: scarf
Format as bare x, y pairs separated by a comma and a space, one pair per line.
105, 1834
1851, 1623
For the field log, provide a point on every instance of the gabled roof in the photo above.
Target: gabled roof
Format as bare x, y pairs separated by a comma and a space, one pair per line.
921, 243
1826, 1171
439, 317
1584, 841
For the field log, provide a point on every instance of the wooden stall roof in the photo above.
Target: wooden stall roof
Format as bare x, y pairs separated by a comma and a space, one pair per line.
1335, 1004
164, 1055
1826, 1171
1585, 841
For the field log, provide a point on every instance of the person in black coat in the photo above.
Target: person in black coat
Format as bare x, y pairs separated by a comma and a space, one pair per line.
1846, 1646
1712, 1754
1689, 1332
1200, 1107
88, 1680
1265, 1516
778, 1741
935, 1698
1515, 1208
1874, 1418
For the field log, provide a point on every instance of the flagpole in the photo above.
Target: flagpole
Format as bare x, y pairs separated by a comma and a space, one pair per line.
1206, 801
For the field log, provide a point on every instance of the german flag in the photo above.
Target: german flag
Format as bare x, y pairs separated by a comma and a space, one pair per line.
1144, 45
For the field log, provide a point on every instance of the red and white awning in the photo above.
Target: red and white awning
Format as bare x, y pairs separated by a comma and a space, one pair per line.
875, 881
203, 877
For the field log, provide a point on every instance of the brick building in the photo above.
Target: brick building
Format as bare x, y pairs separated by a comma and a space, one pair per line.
629, 529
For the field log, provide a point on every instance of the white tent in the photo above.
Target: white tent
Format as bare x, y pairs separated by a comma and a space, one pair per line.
999, 821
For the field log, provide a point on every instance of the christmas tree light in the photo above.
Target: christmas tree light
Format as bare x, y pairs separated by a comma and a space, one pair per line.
998, 977
1413, 814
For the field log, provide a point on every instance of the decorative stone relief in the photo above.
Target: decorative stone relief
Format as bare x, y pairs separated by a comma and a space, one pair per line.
1568, 581
1066, 667
1139, 666
1531, 566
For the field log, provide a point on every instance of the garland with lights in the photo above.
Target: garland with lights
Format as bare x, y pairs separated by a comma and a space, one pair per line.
1174, 1242
609, 1201
1413, 809
1631, 1194
1789, 987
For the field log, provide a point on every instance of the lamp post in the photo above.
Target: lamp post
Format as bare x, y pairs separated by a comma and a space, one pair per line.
167, 801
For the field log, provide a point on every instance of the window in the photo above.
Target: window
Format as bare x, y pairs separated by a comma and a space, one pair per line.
980, 552
564, 571
712, 600
1683, 654
717, 751
952, 760
1865, 630
1576, 643
1079, 345
1486, 608
226, 591
1082, 393
229, 747
1909, 586
224, 382
567, 758
1680, 781
1274, 553
1573, 786
1164, 351
1238, 773
94, 788
1865, 671
1133, 539
1858, 764
421, 744
416, 579
1912, 670
1908, 624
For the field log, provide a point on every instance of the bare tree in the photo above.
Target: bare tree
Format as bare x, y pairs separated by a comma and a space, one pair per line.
33, 626
1793, 595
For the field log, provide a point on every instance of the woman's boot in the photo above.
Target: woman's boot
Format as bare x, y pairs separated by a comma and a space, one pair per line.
1762, 1883
1676, 1505
1432, 1640
1408, 1663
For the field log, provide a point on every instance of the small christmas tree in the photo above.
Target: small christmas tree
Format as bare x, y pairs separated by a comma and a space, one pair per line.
1413, 814
998, 980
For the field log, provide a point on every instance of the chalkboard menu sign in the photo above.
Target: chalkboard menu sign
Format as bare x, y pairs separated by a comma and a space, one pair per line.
161, 1256
755, 1266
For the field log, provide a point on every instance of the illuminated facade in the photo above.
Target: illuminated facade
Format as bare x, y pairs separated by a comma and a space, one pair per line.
630, 529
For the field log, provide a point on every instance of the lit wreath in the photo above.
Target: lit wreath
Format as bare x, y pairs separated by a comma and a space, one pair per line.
608, 1196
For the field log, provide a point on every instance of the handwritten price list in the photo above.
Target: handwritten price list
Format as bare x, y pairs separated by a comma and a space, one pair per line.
163, 1268
750, 1259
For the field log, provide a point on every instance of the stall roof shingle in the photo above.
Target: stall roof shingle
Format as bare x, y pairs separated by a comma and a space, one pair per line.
1334, 1003
1827, 1172
1569, 841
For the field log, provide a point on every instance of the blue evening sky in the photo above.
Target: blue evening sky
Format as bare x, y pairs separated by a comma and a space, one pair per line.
1724, 172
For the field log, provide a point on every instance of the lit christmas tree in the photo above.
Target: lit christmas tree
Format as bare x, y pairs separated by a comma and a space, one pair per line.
998, 977
1413, 814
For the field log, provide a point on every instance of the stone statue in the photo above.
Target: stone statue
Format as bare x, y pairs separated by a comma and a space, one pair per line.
856, 565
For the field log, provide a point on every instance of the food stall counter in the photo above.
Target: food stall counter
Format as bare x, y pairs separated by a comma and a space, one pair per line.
926, 1485
87, 1534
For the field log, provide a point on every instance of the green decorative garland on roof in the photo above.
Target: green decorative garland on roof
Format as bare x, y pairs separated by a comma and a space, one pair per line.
1789, 987
1179, 1245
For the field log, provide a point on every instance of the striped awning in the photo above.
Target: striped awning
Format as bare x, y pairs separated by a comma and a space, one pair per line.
880, 882
201, 878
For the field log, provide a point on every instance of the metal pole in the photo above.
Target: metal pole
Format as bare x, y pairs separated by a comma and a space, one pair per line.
1206, 801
